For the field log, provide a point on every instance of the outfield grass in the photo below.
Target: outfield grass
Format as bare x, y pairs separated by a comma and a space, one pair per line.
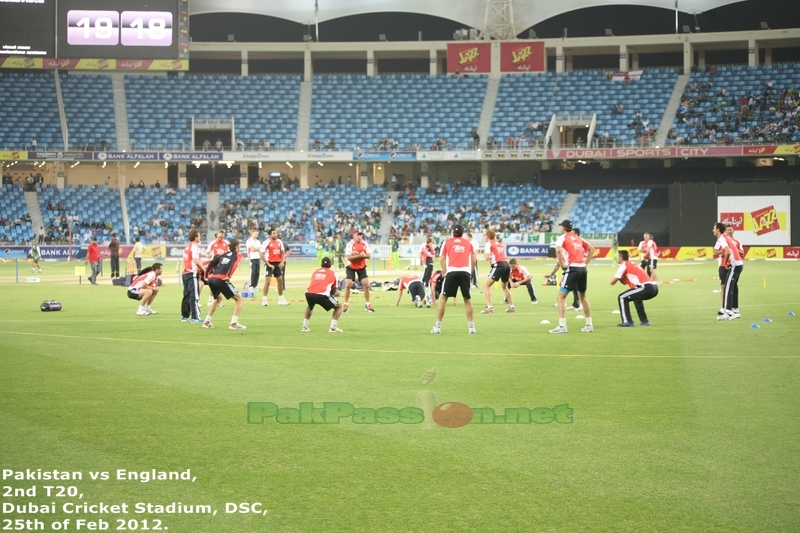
689, 425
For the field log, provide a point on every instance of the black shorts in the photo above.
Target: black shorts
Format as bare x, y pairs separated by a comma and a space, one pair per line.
574, 280
351, 273
416, 288
133, 294
500, 271
220, 286
273, 269
653, 264
453, 281
322, 300
723, 275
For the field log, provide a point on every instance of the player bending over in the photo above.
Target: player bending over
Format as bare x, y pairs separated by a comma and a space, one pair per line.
322, 291
145, 287
218, 276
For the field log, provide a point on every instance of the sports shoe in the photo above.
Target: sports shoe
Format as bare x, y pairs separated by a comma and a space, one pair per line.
264, 302
369, 308
196, 321
579, 308
645, 323
152, 312
40, 271
305, 329
345, 307
721, 311
587, 329
472, 331
505, 300
534, 302
559, 329
511, 310
335, 330
208, 325
236, 325
555, 304
626, 325
33, 270
436, 331
184, 319
487, 311
736, 315
282, 302
417, 301
143, 313
726, 316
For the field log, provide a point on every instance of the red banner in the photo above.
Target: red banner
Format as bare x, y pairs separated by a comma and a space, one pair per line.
791, 252
522, 56
469, 58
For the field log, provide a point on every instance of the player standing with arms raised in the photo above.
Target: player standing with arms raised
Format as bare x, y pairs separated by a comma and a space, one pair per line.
573, 254
357, 253
457, 259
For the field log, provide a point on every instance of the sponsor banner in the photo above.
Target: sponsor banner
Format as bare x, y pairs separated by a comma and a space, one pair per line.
14, 252
757, 220
784, 149
60, 156
469, 58
47, 252
761, 252
466, 155
668, 252
647, 153
701, 252
303, 251
604, 252
522, 56
384, 156
13, 156
527, 250
94, 64
192, 156
126, 156
633, 75
791, 252
285, 156
21, 62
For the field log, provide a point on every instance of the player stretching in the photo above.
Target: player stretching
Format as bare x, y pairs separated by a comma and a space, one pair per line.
415, 287
321, 292
144, 288
573, 254
357, 253
496, 255
219, 273
641, 288
216, 248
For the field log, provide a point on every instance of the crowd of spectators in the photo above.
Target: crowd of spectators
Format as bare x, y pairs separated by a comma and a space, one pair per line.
770, 115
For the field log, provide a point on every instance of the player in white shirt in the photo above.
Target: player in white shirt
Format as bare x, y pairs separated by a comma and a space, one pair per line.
252, 251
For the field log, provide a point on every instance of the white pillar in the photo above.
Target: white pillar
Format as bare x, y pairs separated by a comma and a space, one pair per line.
559, 58
308, 66
371, 66
623, 57
767, 56
568, 62
494, 73
423, 175
245, 67
243, 176
634, 61
701, 59
688, 57
61, 179
752, 52
181, 175
434, 60
485, 168
304, 175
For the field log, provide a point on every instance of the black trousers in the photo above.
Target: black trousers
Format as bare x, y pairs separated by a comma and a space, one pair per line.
637, 295
532, 292
191, 296
428, 272
732, 288
115, 266
255, 272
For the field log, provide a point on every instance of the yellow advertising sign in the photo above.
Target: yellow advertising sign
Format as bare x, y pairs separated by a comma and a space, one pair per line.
21, 62
701, 252
80, 271
764, 252
787, 149
13, 156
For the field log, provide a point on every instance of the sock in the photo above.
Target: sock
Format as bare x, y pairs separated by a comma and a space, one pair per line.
588, 321
562, 322
334, 323
305, 322
141, 309
147, 307
438, 324
489, 307
234, 319
208, 318
471, 324
511, 306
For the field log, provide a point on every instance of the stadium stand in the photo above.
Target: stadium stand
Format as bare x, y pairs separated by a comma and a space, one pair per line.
739, 104
513, 208
163, 214
606, 210
15, 222
89, 106
30, 111
524, 99
92, 209
410, 109
299, 212
160, 108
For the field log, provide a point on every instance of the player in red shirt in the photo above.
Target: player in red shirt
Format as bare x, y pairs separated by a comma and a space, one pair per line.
144, 288
322, 292
641, 288
219, 273
724, 269
273, 253
732, 261
457, 259
496, 255
573, 254
93, 259
357, 252
192, 278
427, 253
415, 288
520, 276
652, 256
216, 248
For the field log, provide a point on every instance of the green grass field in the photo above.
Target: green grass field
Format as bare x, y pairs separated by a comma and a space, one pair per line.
689, 425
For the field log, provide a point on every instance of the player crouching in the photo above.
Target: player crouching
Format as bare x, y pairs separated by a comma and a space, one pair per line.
321, 291
641, 288
144, 288
218, 277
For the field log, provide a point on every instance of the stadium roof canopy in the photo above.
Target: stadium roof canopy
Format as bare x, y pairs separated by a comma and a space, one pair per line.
471, 13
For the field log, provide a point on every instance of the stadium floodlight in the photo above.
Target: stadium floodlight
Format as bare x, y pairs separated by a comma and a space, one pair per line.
764, 25
609, 33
